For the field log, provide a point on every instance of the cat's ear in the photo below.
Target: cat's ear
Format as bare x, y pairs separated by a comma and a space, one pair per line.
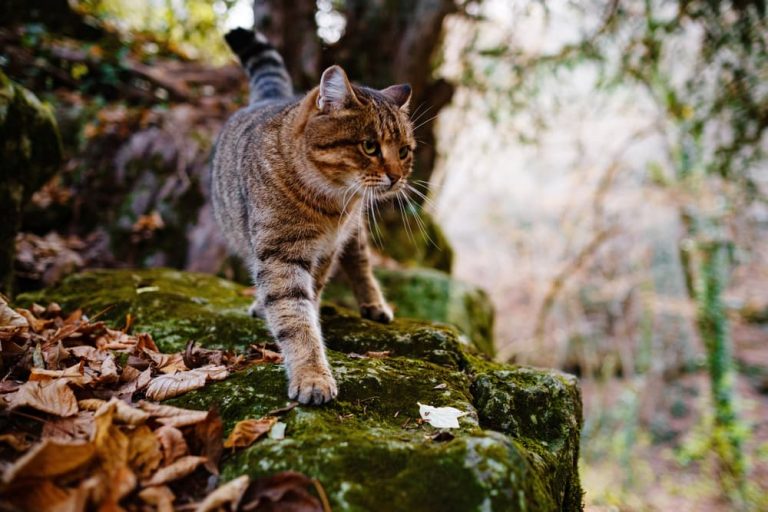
399, 94
335, 90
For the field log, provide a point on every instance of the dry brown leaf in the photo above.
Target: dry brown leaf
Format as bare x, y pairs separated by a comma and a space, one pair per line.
172, 443
90, 404
53, 397
246, 432
129, 374
73, 374
160, 497
378, 355
108, 370
166, 411
45, 495
167, 363
16, 440
110, 442
10, 319
283, 491
144, 453
206, 440
179, 469
167, 386
49, 458
36, 324
228, 494
79, 427
213, 372
123, 412
129, 388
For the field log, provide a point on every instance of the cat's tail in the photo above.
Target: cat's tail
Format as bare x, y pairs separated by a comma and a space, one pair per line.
265, 68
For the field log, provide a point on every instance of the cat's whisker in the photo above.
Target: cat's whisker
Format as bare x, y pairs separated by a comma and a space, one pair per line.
423, 196
425, 112
424, 122
404, 215
422, 228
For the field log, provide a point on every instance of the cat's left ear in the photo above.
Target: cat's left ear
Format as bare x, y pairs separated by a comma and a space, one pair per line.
399, 94
335, 90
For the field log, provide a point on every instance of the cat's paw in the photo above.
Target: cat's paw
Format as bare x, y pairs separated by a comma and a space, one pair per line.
381, 313
255, 310
312, 385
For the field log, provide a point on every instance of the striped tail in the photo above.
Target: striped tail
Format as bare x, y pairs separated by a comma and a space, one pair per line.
267, 76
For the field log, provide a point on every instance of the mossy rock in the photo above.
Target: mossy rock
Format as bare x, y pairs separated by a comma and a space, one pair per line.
431, 295
516, 450
30, 151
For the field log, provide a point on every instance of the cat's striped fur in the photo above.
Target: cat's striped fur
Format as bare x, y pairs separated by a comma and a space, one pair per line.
291, 176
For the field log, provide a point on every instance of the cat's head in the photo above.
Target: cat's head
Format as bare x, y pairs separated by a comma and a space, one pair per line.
359, 139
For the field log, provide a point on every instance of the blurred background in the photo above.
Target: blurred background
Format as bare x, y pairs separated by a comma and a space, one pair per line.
598, 167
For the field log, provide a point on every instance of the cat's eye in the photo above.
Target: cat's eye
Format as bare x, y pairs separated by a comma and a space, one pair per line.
370, 147
404, 152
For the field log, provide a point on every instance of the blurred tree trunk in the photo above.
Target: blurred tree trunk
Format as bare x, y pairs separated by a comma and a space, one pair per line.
383, 43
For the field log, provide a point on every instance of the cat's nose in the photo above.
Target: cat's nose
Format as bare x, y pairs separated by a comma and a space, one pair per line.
393, 179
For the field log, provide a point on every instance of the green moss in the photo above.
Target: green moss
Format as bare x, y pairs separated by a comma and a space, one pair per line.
431, 295
516, 449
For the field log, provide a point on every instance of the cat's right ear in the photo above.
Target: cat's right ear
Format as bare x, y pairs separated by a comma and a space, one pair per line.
335, 90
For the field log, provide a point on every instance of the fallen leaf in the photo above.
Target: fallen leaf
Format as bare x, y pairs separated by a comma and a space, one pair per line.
277, 431
228, 494
144, 451
74, 428
166, 363
49, 458
45, 495
283, 491
10, 319
246, 432
378, 355
73, 374
129, 388
16, 440
90, 404
179, 469
441, 417
167, 386
123, 412
207, 440
160, 497
53, 396
213, 372
110, 441
169, 411
441, 386
172, 443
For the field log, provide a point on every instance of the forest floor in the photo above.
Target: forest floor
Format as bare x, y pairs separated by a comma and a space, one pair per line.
631, 463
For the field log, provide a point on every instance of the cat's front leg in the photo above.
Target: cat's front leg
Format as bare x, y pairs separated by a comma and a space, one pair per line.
355, 262
286, 293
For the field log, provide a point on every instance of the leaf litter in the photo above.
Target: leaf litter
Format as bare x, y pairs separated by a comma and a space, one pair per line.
83, 430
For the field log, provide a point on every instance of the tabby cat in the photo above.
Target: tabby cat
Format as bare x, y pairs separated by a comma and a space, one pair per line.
291, 178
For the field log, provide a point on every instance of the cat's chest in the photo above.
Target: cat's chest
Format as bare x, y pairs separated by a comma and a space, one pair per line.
335, 236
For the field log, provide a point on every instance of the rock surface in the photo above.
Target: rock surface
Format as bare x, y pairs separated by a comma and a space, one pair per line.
431, 295
30, 151
516, 450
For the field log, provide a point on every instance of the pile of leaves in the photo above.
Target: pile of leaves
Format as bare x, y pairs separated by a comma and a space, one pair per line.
80, 426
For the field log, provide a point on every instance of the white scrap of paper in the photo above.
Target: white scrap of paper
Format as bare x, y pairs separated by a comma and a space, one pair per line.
441, 417
277, 431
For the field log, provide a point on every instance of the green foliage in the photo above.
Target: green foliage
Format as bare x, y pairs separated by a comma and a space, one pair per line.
193, 27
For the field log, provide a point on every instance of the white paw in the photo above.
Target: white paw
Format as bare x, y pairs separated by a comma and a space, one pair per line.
381, 313
312, 385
